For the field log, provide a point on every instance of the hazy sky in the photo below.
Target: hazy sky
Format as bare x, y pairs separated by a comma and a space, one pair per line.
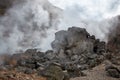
90, 8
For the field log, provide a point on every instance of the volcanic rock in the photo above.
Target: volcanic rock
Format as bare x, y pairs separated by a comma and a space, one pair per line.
77, 46
113, 71
53, 72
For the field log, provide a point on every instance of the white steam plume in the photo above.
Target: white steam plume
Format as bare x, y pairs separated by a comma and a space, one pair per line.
26, 23
94, 15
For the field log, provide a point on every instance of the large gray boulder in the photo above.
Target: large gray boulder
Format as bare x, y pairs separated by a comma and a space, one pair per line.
75, 39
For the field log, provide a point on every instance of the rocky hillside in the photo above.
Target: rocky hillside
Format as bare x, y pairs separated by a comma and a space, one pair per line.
74, 53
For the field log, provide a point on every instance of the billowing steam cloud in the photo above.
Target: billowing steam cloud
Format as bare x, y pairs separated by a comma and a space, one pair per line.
26, 23
32, 22
94, 15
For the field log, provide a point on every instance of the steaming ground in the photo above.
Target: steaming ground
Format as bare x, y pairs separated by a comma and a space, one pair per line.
32, 24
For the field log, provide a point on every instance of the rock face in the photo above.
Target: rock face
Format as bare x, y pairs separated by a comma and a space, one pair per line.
113, 47
77, 47
74, 37
113, 44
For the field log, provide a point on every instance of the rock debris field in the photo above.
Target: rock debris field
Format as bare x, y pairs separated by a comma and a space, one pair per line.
76, 55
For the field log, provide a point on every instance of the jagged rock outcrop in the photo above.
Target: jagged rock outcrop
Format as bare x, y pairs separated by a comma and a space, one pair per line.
74, 37
77, 47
